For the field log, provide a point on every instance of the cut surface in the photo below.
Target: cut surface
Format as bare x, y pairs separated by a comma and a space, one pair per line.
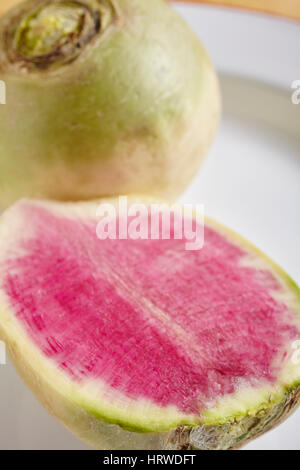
144, 333
122, 95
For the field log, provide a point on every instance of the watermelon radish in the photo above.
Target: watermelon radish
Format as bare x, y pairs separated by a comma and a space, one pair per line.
142, 344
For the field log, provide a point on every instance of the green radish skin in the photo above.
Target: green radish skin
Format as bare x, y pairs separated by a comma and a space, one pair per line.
133, 109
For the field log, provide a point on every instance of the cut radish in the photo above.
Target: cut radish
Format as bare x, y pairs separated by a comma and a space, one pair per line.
137, 344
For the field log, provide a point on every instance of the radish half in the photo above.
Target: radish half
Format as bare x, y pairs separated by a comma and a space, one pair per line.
143, 344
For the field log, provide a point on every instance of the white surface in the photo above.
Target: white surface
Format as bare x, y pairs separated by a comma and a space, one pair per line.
250, 181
